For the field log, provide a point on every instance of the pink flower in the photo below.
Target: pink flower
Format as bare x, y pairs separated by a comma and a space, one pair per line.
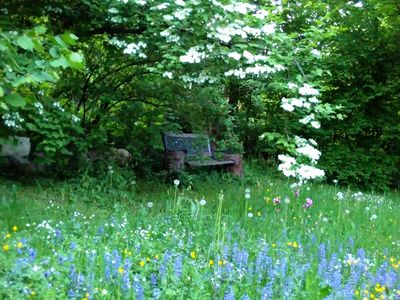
276, 200
308, 203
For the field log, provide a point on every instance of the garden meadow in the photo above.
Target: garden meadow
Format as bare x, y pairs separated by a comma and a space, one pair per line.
95, 203
173, 241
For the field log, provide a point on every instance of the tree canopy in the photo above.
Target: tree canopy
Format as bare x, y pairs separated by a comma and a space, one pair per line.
274, 80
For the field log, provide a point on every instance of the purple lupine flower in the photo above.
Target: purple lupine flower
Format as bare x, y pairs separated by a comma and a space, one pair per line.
267, 292
71, 293
163, 265
156, 293
322, 260
242, 259
100, 231
32, 254
153, 279
229, 295
178, 266
72, 246
125, 278
139, 291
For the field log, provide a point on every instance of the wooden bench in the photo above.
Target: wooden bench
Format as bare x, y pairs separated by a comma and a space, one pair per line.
195, 150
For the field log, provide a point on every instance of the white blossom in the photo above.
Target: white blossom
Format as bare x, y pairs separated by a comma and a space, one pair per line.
309, 151
181, 14
168, 75
316, 124
307, 90
316, 52
234, 55
268, 28
192, 56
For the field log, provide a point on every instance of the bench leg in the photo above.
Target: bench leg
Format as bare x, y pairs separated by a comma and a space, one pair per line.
175, 160
237, 168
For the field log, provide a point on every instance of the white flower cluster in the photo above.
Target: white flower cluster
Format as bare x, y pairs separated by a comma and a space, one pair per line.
225, 34
193, 56
58, 106
307, 102
39, 107
168, 75
136, 49
307, 149
200, 79
254, 70
290, 167
307, 90
169, 37
13, 120
75, 119
118, 43
310, 119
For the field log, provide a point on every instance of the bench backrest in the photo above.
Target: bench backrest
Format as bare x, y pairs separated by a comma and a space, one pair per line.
192, 144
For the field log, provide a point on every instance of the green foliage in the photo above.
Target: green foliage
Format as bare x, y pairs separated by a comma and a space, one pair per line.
55, 132
127, 79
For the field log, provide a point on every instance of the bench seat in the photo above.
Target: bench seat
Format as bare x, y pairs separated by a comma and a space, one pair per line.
209, 162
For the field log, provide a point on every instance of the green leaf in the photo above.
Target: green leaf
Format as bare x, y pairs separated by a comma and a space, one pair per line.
69, 38
25, 42
3, 47
60, 62
40, 29
76, 57
3, 106
42, 76
53, 52
60, 41
1, 92
15, 99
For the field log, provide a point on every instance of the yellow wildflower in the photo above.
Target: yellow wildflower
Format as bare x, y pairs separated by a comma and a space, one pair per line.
6, 247
120, 270
156, 257
15, 228
372, 296
259, 214
220, 263
142, 263
379, 288
273, 245
20, 245
193, 254
356, 293
147, 259
295, 245
250, 208
392, 259
33, 293
8, 236
211, 262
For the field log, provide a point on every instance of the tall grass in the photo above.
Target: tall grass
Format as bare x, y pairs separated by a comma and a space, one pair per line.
162, 240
